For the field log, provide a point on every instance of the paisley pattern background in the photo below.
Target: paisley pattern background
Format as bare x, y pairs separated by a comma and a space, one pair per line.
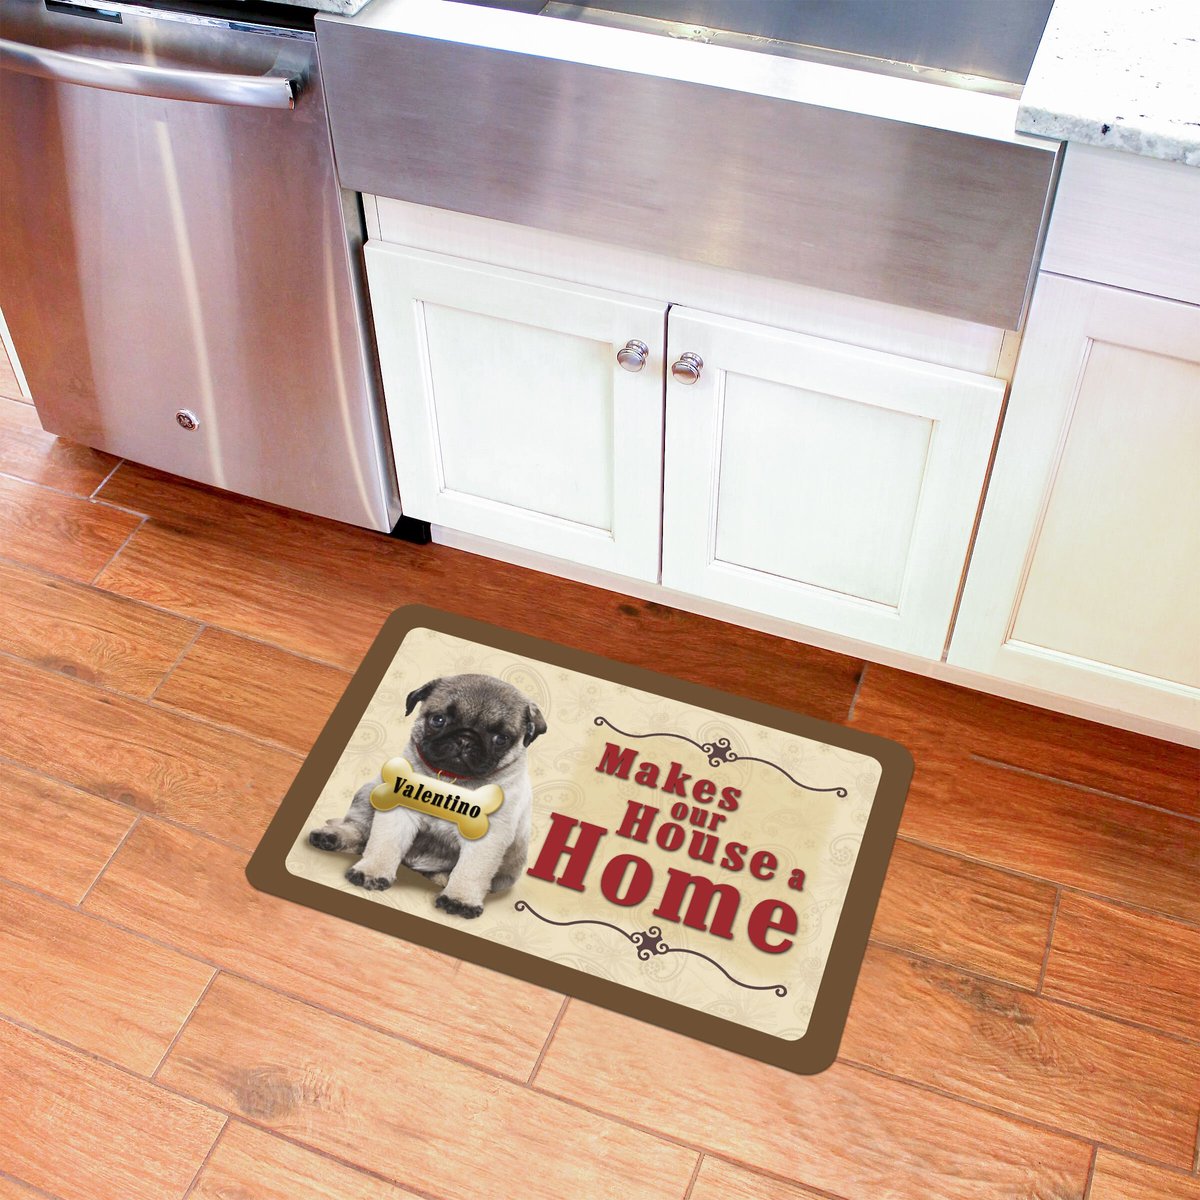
818, 833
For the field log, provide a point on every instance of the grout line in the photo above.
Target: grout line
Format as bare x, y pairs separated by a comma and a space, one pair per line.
792, 1183
1087, 1187
191, 1187
91, 498
281, 990
390, 1034
179, 658
45, 487
292, 1139
116, 553
174, 822
108, 861
796, 1180
1081, 787
657, 1134
243, 977
163, 709
186, 1021
91, 1056
1049, 941
687, 1195
37, 1191
1021, 990
982, 976
994, 1109
169, 709
105, 480
537, 1066
1166, 1034
1071, 889
857, 688
176, 614
133, 512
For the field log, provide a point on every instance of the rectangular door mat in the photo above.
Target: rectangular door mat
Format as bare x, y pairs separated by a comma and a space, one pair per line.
700, 861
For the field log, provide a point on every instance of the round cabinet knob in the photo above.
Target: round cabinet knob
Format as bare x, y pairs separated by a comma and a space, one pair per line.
632, 356
186, 419
686, 368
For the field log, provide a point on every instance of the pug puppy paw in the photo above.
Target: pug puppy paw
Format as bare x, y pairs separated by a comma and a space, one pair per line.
324, 839
456, 908
371, 883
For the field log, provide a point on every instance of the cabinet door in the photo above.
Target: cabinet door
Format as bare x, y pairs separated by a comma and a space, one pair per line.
825, 484
1086, 573
510, 417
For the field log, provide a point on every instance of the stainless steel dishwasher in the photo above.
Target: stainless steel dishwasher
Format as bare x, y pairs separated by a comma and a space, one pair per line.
179, 266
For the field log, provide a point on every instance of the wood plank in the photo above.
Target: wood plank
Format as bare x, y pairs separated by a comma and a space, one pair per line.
29, 453
83, 1130
151, 759
67, 535
845, 1131
965, 914
86, 633
724, 1181
249, 1163
404, 1113
256, 688
36, 813
1130, 1088
943, 725
323, 589
1059, 833
1126, 963
1120, 1178
84, 982
192, 893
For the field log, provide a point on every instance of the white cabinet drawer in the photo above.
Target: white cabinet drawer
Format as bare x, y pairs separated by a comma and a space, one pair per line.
1129, 221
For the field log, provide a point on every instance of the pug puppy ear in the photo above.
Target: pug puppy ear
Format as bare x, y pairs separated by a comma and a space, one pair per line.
535, 723
421, 693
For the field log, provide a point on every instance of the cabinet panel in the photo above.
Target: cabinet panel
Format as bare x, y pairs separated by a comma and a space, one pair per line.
491, 390
1087, 567
509, 415
825, 484
818, 445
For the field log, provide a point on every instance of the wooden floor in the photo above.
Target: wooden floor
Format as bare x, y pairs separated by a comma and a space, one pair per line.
1027, 1023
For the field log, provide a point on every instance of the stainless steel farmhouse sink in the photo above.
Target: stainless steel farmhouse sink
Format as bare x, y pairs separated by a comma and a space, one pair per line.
863, 146
986, 45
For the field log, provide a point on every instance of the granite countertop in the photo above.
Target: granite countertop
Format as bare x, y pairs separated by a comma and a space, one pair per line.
1119, 73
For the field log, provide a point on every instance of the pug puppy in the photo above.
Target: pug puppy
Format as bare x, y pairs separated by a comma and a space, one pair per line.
472, 730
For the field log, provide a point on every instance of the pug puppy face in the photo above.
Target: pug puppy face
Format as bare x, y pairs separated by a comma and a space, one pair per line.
472, 726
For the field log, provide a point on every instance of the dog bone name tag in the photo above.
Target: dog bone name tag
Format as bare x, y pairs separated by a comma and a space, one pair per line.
403, 787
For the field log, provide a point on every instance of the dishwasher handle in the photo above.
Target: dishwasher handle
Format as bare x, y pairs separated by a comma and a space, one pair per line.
273, 90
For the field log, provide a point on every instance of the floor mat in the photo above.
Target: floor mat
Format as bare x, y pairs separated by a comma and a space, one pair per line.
690, 858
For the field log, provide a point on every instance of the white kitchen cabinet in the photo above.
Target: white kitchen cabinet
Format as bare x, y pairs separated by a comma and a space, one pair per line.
828, 485
510, 416
1085, 576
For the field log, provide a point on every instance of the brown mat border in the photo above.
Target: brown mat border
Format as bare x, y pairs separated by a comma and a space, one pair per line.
812, 1053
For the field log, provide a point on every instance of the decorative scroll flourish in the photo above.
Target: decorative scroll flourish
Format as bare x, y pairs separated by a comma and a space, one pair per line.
650, 943
720, 751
